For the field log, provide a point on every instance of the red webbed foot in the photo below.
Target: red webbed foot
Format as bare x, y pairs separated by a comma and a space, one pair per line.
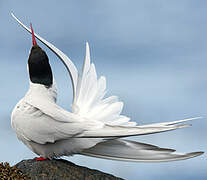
40, 159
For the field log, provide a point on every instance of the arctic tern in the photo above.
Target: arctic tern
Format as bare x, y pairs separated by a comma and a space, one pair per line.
95, 127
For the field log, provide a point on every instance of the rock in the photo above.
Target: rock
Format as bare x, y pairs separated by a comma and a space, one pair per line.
59, 169
10, 173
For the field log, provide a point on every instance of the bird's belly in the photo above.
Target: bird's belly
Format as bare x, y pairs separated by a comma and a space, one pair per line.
65, 147
24, 120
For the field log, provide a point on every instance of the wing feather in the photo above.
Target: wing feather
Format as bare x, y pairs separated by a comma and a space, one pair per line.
72, 70
171, 123
90, 102
125, 150
109, 131
87, 62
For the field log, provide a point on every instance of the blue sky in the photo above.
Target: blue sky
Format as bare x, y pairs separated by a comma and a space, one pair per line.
153, 54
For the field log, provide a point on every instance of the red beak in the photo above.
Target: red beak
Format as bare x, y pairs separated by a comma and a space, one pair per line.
33, 36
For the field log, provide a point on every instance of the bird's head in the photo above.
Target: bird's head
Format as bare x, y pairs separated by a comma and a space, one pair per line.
38, 63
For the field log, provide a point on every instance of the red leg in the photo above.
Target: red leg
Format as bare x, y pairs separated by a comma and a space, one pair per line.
40, 159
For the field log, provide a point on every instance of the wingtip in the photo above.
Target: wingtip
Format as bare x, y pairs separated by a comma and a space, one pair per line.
12, 14
87, 51
199, 117
87, 47
194, 154
87, 44
183, 125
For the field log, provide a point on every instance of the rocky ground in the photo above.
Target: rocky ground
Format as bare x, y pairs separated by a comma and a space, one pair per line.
51, 170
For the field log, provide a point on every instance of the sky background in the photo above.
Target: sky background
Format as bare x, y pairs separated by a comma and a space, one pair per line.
153, 54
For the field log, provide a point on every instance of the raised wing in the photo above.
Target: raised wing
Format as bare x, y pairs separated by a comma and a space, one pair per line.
89, 101
72, 70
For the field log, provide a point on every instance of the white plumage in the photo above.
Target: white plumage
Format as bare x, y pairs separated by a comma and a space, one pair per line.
95, 125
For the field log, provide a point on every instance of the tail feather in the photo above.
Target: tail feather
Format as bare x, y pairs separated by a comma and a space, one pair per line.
125, 150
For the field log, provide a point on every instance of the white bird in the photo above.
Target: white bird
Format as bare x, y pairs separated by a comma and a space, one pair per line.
95, 127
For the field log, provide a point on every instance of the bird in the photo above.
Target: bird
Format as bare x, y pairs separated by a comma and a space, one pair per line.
94, 127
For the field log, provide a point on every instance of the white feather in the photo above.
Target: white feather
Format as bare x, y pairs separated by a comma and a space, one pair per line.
89, 99
125, 150
50, 131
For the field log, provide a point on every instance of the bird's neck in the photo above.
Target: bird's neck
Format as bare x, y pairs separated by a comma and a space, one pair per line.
43, 92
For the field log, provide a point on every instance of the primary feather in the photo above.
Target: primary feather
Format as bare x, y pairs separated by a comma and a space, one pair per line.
125, 150
93, 126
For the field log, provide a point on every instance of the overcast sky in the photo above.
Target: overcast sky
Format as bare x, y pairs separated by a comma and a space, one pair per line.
153, 54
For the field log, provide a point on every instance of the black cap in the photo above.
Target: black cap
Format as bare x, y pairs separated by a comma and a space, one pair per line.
39, 68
